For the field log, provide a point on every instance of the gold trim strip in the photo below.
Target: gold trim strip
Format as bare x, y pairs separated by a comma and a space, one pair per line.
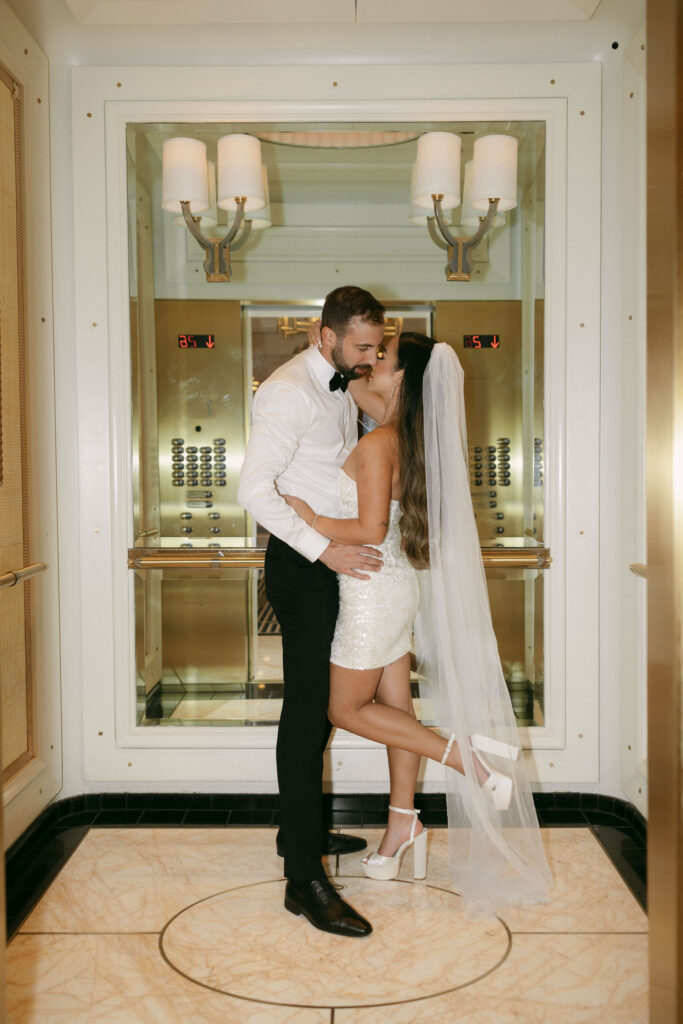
253, 558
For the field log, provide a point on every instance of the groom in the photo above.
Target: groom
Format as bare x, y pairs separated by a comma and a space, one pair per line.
304, 425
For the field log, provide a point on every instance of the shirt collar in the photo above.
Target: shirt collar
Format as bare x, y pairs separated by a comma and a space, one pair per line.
319, 367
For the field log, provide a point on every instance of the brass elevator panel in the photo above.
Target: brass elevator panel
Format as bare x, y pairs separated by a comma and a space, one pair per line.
201, 410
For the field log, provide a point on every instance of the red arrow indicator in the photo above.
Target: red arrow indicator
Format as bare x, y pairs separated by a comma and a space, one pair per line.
495, 343
210, 343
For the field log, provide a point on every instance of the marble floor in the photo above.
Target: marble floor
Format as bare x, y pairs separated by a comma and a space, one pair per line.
170, 926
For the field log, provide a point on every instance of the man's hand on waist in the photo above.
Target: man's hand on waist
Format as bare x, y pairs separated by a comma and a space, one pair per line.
352, 559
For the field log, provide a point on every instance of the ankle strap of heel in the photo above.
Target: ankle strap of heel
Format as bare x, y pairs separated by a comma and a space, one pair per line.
448, 748
402, 810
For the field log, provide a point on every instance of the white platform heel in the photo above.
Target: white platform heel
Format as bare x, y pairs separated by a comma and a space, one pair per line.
384, 868
498, 786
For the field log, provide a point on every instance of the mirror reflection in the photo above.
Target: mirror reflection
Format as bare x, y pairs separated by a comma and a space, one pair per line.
339, 211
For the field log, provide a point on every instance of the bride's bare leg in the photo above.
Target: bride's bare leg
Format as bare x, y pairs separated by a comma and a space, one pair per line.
394, 690
351, 707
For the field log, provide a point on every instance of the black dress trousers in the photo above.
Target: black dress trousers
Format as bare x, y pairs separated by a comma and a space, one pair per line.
305, 598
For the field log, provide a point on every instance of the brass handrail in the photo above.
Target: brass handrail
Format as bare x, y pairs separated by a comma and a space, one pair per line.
638, 569
253, 558
14, 576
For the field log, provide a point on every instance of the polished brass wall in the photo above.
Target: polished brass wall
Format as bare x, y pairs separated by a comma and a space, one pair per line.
665, 505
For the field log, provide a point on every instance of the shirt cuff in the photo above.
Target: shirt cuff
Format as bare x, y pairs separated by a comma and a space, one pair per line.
312, 545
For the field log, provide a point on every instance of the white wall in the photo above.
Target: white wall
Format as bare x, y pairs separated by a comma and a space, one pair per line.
67, 44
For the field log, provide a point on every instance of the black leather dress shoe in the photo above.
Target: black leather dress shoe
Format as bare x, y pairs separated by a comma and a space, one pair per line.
336, 843
320, 902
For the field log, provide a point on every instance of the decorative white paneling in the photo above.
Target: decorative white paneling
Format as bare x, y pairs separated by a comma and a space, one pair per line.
218, 12
387, 11
567, 97
633, 427
211, 12
41, 779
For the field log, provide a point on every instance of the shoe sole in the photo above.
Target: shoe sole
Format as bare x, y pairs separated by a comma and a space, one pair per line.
293, 909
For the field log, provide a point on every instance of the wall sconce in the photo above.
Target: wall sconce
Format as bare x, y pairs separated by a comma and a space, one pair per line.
189, 188
436, 183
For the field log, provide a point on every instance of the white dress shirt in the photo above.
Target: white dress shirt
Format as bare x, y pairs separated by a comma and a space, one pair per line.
301, 434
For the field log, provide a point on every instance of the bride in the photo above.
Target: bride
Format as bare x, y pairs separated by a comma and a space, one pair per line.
405, 488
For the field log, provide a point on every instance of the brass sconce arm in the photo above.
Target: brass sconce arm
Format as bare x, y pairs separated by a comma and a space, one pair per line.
459, 267
217, 262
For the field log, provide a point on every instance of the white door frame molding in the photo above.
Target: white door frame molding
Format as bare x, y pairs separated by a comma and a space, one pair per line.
568, 98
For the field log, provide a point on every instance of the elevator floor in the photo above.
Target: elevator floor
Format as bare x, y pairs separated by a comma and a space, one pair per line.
167, 925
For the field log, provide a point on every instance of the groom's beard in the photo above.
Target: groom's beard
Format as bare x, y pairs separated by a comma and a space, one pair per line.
352, 372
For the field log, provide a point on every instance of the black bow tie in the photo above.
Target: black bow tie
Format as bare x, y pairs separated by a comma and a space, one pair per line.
338, 380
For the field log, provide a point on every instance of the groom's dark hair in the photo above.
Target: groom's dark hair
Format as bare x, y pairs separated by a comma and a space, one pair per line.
350, 303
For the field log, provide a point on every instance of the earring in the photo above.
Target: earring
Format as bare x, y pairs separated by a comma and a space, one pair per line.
320, 344
393, 390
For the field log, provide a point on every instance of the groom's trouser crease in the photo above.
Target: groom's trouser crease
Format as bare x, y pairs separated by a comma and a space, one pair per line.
305, 598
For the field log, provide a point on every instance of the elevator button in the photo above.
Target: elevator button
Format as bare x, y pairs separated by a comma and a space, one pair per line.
179, 483
186, 545
186, 515
219, 440
219, 483
213, 544
214, 529
186, 529
205, 448
214, 515
500, 529
505, 440
198, 503
177, 440
191, 450
499, 515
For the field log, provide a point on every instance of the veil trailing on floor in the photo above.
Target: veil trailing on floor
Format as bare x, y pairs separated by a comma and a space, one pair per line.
497, 857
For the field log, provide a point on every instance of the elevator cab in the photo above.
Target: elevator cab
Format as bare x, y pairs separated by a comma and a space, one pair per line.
207, 643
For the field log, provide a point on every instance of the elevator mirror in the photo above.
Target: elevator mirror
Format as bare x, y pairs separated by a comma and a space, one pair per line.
208, 650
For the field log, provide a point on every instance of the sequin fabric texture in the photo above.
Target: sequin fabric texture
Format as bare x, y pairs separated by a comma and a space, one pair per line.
376, 616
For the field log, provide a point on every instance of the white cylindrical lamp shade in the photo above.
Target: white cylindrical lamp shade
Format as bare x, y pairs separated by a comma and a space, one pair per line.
437, 170
240, 172
209, 218
262, 218
418, 214
469, 217
184, 175
494, 172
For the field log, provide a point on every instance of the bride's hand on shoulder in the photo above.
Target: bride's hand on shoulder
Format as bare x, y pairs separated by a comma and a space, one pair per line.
301, 507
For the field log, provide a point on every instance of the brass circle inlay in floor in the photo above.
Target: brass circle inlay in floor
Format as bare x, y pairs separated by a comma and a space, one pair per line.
244, 943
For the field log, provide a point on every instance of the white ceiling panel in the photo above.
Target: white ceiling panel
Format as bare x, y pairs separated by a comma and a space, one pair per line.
408, 11
211, 12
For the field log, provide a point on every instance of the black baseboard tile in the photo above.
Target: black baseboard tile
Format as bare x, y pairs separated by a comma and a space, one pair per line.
42, 850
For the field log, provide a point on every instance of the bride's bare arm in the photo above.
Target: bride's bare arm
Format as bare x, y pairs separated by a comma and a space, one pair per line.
367, 400
374, 473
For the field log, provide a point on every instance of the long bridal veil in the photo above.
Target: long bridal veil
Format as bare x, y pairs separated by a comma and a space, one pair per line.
497, 857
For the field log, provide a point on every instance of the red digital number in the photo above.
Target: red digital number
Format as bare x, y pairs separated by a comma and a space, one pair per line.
475, 341
182, 340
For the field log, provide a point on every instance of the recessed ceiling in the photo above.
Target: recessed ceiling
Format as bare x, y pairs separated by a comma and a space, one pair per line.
311, 12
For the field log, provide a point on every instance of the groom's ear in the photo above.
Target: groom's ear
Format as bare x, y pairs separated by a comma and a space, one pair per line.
328, 336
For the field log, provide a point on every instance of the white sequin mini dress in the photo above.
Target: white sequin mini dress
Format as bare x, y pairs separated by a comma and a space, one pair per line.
376, 616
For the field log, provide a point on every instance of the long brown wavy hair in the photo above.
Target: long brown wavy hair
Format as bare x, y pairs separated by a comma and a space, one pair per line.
414, 351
